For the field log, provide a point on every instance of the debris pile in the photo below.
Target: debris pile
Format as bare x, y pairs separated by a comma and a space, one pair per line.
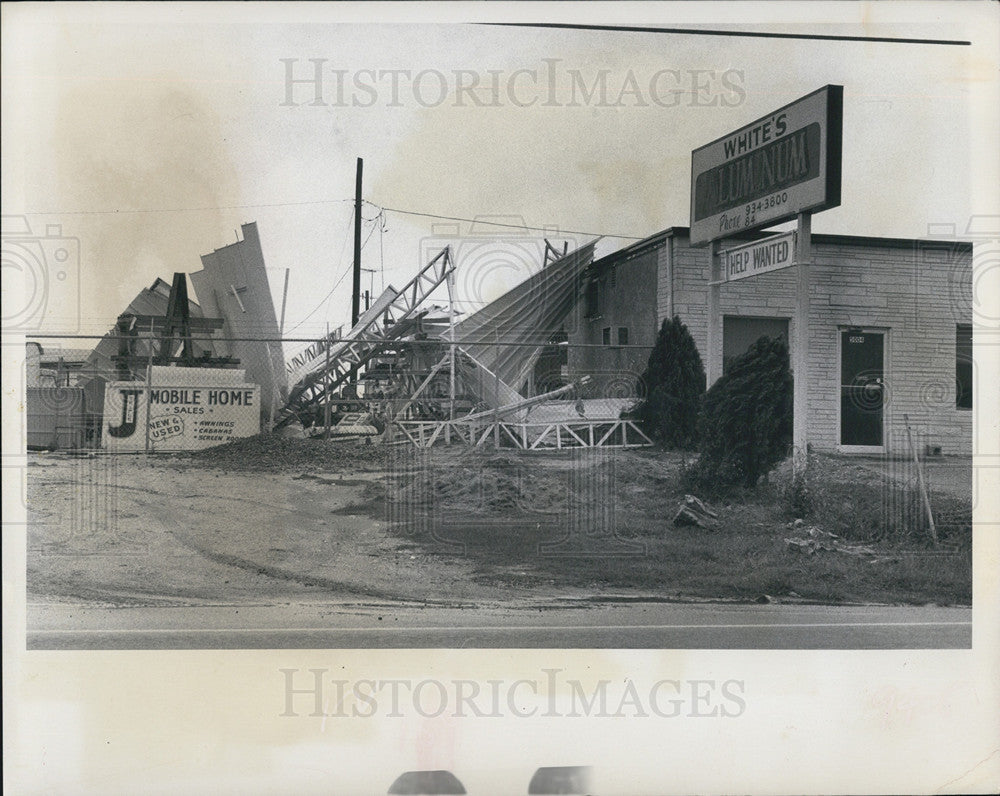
274, 453
489, 484
694, 512
815, 540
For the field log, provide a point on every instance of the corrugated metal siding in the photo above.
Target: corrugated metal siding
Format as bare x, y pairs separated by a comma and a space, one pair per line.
525, 318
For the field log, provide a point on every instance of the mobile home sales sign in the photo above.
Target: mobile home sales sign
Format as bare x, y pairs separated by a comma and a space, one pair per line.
179, 417
785, 163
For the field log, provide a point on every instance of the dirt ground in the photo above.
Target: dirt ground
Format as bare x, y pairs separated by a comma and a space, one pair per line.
129, 530
268, 520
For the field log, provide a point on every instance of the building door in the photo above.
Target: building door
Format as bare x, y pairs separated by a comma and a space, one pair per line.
862, 387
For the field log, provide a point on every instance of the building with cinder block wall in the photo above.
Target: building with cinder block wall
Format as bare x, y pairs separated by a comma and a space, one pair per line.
614, 325
890, 331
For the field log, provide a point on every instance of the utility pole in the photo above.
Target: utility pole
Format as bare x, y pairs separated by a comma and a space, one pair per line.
356, 292
800, 350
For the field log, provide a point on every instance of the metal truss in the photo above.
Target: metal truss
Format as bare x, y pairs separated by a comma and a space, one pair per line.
342, 357
564, 435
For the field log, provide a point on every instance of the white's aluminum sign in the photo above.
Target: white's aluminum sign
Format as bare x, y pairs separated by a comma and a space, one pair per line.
759, 257
785, 163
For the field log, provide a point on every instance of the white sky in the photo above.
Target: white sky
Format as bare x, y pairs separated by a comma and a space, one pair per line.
123, 109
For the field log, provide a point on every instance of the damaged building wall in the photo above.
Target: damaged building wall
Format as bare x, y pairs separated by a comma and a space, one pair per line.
616, 313
233, 285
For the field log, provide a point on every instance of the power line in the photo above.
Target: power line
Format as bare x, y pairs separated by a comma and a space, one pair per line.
126, 211
327, 296
121, 211
737, 33
509, 226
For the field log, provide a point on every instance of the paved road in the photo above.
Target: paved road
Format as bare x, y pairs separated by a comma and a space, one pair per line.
627, 626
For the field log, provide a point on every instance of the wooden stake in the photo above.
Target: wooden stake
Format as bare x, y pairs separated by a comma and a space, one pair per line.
920, 482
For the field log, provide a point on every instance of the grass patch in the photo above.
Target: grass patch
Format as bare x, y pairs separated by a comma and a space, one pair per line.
603, 519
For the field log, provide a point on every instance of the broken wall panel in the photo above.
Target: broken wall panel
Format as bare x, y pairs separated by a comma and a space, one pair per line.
233, 285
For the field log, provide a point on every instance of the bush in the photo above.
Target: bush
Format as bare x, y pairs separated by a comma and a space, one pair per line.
745, 424
674, 382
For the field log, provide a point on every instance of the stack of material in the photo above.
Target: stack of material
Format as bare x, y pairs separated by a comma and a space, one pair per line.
497, 347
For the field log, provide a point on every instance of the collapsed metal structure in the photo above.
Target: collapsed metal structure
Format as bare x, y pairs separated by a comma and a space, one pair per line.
410, 369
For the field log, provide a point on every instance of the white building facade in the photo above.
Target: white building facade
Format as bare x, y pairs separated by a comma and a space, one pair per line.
890, 335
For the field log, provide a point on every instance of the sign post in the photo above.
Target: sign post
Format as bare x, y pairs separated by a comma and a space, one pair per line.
800, 350
715, 279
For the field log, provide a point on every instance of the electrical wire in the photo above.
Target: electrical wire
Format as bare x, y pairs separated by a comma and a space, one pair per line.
340, 257
508, 226
420, 214
122, 211
325, 300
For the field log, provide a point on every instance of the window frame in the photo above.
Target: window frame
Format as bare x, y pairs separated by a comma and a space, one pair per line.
964, 370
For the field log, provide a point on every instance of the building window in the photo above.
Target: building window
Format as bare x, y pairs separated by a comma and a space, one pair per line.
607, 335
593, 309
739, 333
963, 366
622, 335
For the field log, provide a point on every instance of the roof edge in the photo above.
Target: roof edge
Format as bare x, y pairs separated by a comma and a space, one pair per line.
836, 238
